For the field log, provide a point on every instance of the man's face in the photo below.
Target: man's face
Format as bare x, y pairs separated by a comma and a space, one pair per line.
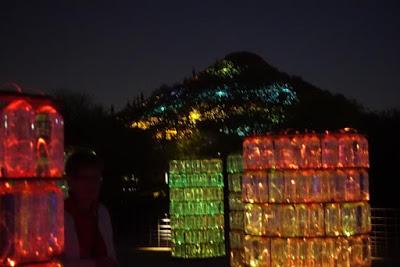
85, 185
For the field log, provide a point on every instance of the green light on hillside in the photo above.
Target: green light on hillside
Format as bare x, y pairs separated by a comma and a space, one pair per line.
221, 93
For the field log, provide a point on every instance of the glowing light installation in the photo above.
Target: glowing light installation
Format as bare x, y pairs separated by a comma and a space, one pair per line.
236, 208
183, 109
31, 200
197, 208
306, 200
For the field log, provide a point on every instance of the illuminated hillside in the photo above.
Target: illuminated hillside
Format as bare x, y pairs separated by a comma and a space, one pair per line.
240, 95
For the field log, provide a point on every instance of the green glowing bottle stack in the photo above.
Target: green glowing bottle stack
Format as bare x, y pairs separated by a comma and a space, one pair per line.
236, 207
197, 208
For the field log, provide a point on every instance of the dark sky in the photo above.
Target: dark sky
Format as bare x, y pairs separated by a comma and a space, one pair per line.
115, 49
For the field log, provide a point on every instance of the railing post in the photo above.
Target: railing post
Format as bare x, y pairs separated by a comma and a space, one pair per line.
158, 232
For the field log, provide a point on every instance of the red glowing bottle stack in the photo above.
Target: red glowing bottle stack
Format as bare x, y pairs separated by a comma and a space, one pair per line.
31, 164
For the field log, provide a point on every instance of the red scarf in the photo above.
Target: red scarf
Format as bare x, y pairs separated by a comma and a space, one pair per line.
91, 243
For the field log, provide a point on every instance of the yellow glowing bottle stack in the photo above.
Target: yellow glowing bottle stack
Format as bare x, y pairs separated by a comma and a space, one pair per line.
306, 200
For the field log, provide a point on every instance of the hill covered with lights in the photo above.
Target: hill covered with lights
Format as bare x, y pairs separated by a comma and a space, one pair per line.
240, 94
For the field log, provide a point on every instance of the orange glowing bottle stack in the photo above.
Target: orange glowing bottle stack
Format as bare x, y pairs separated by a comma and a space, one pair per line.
306, 200
31, 164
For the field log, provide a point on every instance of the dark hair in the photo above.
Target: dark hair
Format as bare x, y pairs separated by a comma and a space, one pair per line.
82, 159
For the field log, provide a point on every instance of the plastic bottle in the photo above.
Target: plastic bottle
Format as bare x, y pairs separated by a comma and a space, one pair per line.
49, 142
287, 150
353, 150
19, 135
330, 151
310, 151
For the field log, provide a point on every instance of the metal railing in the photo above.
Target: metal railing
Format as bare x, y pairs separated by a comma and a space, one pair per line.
160, 236
385, 235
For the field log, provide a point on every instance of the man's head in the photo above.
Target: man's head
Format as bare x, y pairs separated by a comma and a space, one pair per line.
84, 174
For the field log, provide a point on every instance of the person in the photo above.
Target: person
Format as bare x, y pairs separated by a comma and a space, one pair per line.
87, 225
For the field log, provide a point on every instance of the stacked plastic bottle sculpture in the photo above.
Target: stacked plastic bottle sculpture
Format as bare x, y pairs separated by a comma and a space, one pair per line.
197, 208
236, 208
306, 200
31, 160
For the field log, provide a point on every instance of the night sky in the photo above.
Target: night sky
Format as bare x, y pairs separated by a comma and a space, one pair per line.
115, 49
